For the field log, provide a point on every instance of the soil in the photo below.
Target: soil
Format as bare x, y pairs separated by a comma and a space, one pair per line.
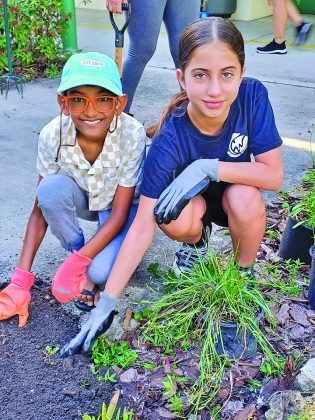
37, 386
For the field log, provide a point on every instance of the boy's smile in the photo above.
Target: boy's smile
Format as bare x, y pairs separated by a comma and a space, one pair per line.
91, 124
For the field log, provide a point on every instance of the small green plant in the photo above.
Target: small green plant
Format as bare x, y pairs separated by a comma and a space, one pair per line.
106, 352
110, 413
254, 384
192, 312
148, 365
145, 314
85, 383
50, 352
108, 377
273, 368
176, 404
304, 416
169, 386
52, 70
304, 210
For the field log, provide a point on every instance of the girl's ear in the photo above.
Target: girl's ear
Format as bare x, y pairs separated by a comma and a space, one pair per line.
61, 103
120, 104
180, 78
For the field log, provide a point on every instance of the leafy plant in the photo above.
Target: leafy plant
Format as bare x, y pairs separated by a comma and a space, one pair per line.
303, 416
193, 310
106, 352
36, 30
50, 352
169, 387
85, 383
145, 314
305, 208
176, 404
109, 413
108, 377
254, 384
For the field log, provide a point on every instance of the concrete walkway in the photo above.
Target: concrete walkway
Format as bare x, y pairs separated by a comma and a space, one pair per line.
290, 80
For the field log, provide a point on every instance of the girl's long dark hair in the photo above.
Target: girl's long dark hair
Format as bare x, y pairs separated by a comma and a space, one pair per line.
194, 36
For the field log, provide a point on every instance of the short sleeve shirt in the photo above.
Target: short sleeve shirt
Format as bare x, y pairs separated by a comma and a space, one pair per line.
250, 129
119, 163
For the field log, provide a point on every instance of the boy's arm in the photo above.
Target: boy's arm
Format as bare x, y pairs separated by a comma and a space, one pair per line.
15, 298
35, 232
137, 241
113, 225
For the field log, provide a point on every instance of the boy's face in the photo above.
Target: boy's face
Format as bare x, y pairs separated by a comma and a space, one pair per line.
93, 122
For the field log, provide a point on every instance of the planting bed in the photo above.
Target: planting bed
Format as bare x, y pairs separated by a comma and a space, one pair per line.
36, 385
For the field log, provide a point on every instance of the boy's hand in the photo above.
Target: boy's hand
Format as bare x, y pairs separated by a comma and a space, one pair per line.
16, 297
70, 278
192, 181
99, 321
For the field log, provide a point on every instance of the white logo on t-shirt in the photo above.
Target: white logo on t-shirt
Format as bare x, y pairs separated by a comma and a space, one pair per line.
238, 145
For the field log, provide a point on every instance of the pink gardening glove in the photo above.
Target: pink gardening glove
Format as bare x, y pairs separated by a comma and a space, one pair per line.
70, 279
15, 298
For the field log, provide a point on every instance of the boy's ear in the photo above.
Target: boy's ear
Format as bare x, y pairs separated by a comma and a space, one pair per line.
61, 103
121, 103
181, 79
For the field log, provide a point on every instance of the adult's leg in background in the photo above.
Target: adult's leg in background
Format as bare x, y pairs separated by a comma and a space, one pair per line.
62, 201
177, 15
103, 262
143, 30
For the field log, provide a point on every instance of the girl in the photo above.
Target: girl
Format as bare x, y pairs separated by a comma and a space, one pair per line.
199, 168
89, 163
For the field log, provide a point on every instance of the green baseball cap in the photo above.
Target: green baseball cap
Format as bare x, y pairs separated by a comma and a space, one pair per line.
90, 68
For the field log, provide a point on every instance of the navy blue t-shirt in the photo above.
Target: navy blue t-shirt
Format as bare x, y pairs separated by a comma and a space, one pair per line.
249, 129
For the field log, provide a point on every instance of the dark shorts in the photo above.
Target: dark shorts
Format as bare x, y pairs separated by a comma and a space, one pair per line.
213, 197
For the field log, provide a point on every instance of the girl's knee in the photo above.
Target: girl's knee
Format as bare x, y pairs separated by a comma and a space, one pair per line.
189, 221
244, 202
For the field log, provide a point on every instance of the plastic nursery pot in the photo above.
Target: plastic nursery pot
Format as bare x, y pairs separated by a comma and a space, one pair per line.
311, 290
296, 242
236, 343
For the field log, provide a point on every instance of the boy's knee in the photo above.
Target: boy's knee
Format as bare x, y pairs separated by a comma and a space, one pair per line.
53, 190
99, 274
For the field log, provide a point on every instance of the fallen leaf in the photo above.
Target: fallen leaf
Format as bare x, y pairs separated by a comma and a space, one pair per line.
299, 315
283, 314
248, 413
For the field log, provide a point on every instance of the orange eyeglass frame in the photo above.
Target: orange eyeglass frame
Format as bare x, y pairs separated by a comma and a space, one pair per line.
89, 100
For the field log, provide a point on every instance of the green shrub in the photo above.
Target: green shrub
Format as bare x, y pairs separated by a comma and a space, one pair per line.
36, 28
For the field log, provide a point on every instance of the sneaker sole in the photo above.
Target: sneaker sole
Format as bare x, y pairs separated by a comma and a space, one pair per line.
272, 52
304, 32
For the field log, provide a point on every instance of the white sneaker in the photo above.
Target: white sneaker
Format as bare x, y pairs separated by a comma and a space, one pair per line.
189, 255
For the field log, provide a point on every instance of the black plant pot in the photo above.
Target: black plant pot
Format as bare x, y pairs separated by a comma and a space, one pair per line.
311, 290
236, 342
223, 8
296, 242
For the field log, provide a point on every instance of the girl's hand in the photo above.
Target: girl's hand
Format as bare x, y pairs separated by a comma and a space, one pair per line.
115, 5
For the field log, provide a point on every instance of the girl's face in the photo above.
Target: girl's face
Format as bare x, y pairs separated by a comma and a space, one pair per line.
211, 80
91, 124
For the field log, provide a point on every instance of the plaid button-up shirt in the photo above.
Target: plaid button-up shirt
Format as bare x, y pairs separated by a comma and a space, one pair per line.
119, 163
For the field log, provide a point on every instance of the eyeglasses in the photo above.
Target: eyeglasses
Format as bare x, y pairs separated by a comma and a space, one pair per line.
78, 104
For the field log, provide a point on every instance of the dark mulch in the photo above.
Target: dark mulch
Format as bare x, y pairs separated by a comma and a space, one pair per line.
36, 386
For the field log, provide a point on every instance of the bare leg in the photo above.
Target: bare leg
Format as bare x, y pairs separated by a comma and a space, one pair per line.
247, 219
280, 16
188, 227
294, 14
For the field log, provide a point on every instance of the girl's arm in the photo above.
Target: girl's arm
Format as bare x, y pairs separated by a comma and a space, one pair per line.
113, 225
266, 172
35, 232
137, 241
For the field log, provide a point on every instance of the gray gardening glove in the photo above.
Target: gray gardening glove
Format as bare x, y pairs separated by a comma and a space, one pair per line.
99, 321
192, 181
